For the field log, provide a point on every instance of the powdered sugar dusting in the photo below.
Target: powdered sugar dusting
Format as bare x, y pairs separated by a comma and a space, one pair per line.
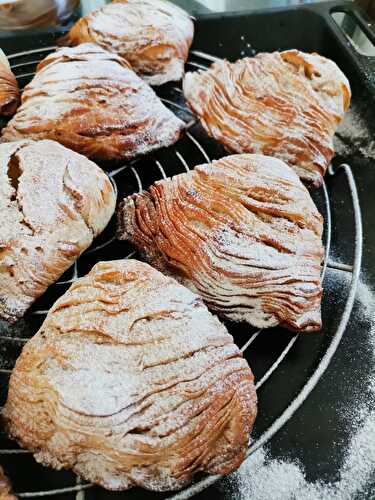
353, 136
91, 101
153, 35
246, 236
286, 105
43, 228
169, 377
263, 477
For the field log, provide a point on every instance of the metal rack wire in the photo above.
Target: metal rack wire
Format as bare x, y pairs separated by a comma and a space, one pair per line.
24, 63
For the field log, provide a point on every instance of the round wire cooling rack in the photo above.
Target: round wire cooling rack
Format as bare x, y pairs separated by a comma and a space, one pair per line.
269, 353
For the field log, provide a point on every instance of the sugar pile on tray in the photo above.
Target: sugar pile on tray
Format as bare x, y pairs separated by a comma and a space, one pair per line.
265, 478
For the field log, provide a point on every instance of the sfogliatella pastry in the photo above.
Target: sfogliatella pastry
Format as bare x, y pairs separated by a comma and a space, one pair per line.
5, 487
131, 381
91, 101
9, 91
243, 232
285, 104
53, 203
153, 35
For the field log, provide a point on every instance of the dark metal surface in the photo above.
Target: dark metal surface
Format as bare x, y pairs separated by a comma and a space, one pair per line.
282, 362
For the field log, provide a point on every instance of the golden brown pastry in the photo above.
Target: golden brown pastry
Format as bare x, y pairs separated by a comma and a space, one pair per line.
286, 105
53, 203
91, 101
5, 487
153, 35
9, 91
130, 381
242, 232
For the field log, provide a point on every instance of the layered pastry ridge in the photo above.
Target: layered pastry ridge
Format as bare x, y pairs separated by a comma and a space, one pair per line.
243, 232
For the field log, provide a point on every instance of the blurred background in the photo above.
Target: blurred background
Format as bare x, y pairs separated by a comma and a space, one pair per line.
230, 5
26, 14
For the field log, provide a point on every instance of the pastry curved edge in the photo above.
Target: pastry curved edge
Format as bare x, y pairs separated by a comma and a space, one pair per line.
242, 232
282, 104
177, 396
157, 49
91, 101
53, 203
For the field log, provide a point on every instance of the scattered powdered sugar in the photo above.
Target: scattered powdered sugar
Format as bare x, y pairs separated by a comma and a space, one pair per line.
263, 477
353, 136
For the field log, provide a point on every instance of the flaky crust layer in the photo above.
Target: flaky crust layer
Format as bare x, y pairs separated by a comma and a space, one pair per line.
153, 35
9, 90
130, 381
286, 105
242, 232
53, 203
91, 101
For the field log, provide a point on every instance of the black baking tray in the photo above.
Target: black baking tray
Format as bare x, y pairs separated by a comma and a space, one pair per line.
318, 433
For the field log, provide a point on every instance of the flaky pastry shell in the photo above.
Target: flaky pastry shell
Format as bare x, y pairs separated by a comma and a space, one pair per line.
131, 381
91, 101
283, 104
53, 203
243, 232
153, 35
